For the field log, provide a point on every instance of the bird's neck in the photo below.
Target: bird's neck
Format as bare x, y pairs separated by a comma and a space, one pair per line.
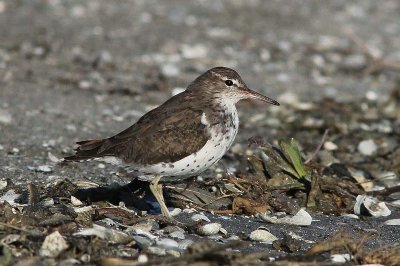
223, 114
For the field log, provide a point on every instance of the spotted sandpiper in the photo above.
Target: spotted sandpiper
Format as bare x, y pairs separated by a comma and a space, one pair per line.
182, 137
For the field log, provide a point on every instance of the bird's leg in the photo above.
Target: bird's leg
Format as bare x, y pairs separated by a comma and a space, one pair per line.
156, 189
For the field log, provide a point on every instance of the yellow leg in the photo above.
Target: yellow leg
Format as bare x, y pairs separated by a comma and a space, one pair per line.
156, 189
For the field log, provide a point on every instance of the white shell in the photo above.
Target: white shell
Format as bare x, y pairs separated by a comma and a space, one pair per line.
262, 235
209, 229
108, 234
371, 205
392, 222
200, 217
302, 218
167, 243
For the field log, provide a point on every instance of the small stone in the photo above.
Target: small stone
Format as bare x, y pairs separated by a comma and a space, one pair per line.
85, 84
200, 217
371, 95
44, 168
174, 253
75, 201
167, 243
392, 222
143, 258
302, 218
209, 229
10, 196
262, 235
53, 245
330, 146
170, 70
5, 117
175, 211
194, 51
351, 216
3, 184
367, 147
157, 251
177, 234
354, 62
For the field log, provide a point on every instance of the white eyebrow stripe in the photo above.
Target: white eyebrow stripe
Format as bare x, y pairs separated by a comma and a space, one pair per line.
235, 81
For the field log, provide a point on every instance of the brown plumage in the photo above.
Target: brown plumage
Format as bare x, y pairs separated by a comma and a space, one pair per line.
180, 138
164, 131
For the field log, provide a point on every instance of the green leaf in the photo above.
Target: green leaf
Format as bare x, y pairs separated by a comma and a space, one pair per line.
292, 154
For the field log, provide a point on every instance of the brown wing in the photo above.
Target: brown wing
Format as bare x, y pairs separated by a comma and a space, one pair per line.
162, 135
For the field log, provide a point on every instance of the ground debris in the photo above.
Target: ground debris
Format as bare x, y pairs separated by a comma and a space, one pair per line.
388, 255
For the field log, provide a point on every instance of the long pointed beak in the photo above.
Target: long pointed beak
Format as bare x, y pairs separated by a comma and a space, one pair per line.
257, 96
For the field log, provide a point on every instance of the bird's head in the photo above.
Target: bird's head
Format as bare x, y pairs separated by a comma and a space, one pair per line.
225, 83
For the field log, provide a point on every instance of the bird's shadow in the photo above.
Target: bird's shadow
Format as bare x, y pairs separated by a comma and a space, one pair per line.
136, 195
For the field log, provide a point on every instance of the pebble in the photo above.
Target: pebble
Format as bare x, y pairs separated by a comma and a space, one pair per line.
330, 146
372, 95
392, 222
157, 251
75, 201
85, 84
367, 147
175, 211
170, 70
302, 218
340, 258
143, 242
44, 168
200, 217
354, 62
209, 229
111, 235
194, 51
53, 245
3, 184
173, 253
329, 43
262, 235
10, 196
5, 117
177, 234
143, 258
167, 243
351, 215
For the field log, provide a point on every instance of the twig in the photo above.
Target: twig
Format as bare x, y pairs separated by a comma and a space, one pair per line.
32, 233
318, 147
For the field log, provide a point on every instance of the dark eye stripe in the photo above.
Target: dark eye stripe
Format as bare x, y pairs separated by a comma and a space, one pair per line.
228, 82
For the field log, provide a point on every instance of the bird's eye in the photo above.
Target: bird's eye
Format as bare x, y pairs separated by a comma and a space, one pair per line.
228, 82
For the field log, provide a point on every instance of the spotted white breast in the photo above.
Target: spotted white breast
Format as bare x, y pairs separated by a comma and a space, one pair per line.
222, 137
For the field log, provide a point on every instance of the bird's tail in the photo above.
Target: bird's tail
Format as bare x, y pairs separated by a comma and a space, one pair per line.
87, 149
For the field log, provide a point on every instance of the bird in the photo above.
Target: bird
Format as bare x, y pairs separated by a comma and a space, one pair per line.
181, 138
